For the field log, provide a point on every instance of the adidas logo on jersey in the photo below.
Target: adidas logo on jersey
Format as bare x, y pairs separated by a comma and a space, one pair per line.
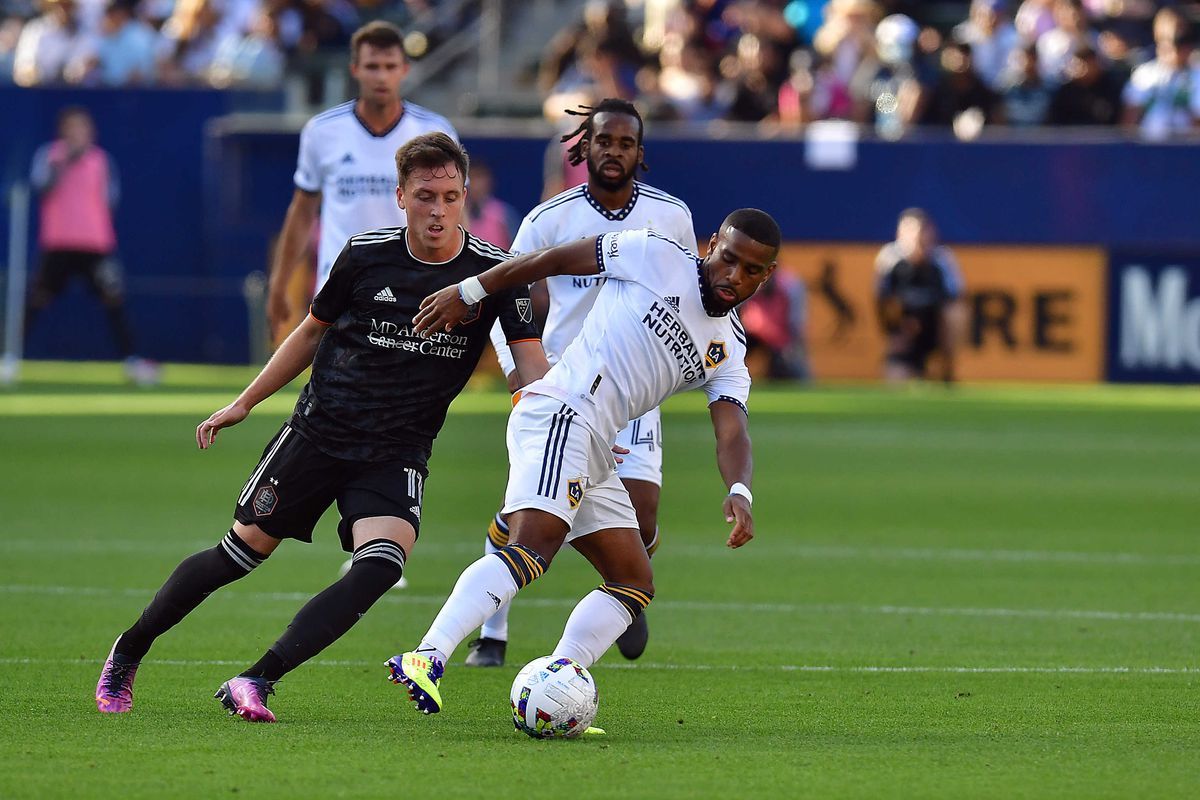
673, 302
385, 295
348, 158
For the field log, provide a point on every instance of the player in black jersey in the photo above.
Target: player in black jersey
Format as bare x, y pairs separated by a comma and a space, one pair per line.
361, 433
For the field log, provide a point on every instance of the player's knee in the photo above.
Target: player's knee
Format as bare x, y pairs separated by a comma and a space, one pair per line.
632, 597
377, 565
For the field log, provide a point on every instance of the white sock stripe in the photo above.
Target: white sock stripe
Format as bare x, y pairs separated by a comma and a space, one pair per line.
250, 484
386, 550
237, 555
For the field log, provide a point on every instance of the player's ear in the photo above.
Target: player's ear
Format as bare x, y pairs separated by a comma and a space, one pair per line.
400, 196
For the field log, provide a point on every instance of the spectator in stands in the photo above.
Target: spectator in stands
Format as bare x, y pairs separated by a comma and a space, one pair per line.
919, 300
812, 92
689, 79
992, 38
1091, 95
47, 43
1034, 18
1054, 47
961, 99
78, 185
886, 89
10, 34
488, 217
253, 59
1163, 95
754, 92
775, 319
122, 54
1025, 94
189, 42
847, 37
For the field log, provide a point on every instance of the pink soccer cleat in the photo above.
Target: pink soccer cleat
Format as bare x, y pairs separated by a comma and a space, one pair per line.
114, 690
247, 697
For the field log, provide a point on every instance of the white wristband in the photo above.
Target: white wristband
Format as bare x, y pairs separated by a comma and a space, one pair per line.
471, 290
743, 490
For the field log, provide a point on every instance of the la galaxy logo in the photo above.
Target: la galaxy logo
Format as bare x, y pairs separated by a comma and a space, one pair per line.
574, 492
716, 354
524, 310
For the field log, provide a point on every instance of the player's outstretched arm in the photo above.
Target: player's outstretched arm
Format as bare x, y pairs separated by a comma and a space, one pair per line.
297, 228
443, 310
292, 357
736, 463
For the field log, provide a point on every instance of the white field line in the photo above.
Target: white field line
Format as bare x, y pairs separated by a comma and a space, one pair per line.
765, 549
641, 665
671, 605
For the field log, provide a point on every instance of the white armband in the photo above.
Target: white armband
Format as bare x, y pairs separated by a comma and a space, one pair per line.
743, 490
471, 290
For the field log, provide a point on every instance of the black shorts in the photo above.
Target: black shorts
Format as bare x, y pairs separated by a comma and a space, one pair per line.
294, 483
915, 354
101, 271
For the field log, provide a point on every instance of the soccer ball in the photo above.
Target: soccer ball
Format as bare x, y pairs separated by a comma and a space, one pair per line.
553, 697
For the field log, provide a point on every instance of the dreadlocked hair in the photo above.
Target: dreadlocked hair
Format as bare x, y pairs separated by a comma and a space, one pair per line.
583, 133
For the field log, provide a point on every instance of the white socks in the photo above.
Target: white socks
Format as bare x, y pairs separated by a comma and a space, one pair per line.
482, 588
496, 626
592, 628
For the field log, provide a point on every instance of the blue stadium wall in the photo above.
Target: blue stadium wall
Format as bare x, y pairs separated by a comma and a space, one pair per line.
202, 201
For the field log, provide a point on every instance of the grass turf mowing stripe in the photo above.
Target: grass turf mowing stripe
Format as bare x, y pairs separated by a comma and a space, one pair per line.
677, 605
650, 665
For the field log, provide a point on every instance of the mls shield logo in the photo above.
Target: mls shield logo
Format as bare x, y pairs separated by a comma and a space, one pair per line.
472, 315
265, 501
715, 354
524, 310
574, 492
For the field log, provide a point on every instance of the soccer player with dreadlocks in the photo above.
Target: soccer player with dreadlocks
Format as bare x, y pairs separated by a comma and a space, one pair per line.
609, 140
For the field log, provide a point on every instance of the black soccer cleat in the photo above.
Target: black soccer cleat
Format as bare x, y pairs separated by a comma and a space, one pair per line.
486, 652
632, 643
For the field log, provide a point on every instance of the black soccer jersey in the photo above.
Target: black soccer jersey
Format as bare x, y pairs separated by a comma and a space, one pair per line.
378, 390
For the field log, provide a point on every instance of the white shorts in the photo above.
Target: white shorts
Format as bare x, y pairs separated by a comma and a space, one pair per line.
643, 438
557, 464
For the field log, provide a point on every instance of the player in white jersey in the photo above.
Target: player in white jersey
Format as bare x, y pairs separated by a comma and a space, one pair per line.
661, 324
610, 141
347, 163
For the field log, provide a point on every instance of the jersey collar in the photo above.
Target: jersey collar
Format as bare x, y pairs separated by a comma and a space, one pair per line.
461, 246
367, 127
620, 213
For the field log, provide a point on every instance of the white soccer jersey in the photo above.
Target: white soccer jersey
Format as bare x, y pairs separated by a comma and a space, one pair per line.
355, 172
648, 337
575, 214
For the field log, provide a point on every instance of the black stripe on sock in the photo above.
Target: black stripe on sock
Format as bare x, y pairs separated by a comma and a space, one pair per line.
632, 598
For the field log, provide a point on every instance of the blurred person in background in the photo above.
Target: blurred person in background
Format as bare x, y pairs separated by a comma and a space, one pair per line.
960, 98
775, 319
847, 37
1091, 95
345, 169
1163, 96
1026, 96
812, 92
751, 80
10, 34
919, 293
254, 58
1034, 18
689, 79
79, 189
487, 216
190, 37
47, 43
123, 54
992, 38
1055, 46
886, 89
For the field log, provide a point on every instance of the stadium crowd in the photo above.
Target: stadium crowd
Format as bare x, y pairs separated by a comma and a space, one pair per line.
893, 64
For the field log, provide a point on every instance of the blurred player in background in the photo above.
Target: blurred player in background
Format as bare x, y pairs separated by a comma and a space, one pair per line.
79, 189
919, 300
609, 142
489, 217
345, 167
663, 323
361, 433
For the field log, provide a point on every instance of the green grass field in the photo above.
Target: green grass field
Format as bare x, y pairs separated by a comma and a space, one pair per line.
984, 592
